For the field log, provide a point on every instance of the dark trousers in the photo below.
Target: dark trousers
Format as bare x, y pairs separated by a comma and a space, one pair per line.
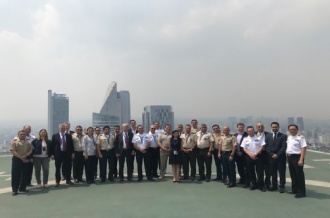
189, 158
229, 167
265, 164
78, 165
297, 175
90, 164
241, 168
279, 165
154, 160
140, 158
252, 167
64, 162
95, 170
202, 159
218, 163
19, 172
115, 164
29, 172
126, 155
108, 158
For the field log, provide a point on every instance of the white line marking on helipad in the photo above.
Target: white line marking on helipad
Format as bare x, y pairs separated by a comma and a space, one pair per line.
319, 152
9, 179
308, 166
2, 173
319, 160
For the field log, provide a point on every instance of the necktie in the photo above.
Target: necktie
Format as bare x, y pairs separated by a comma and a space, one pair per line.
275, 135
64, 142
126, 140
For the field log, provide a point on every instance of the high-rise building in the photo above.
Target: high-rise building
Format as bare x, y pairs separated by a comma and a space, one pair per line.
161, 113
300, 123
115, 110
291, 120
125, 107
58, 111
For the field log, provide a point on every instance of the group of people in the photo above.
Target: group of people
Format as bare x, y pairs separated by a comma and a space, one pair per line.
259, 156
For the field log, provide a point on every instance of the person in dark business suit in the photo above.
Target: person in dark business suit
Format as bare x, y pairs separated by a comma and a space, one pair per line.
124, 148
133, 130
239, 156
276, 147
62, 151
261, 134
69, 131
116, 131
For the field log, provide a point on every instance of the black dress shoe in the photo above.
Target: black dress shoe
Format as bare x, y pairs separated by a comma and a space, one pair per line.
216, 179
272, 188
201, 179
23, 190
192, 178
121, 179
253, 187
14, 193
263, 189
69, 183
151, 179
291, 192
57, 185
129, 179
241, 181
299, 196
231, 186
207, 180
282, 190
155, 176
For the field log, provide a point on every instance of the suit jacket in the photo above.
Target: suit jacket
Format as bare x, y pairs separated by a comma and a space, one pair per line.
245, 134
37, 144
56, 145
119, 143
132, 131
277, 146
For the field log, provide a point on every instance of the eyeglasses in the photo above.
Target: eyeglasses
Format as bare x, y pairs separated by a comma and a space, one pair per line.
152, 128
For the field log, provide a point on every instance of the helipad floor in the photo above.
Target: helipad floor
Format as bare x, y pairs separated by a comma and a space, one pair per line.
163, 198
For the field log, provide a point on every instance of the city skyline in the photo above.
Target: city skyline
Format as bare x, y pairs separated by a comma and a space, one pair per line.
208, 59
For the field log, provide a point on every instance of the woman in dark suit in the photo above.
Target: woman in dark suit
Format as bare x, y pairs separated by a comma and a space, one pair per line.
175, 155
41, 154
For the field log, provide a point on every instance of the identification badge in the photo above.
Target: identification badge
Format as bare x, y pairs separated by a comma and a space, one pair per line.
175, 152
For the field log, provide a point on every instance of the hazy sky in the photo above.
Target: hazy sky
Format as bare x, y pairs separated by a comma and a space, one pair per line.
205, 58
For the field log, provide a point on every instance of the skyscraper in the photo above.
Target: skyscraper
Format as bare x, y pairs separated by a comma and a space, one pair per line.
161, 113
290, 120
300, 123
58, 111
115, 110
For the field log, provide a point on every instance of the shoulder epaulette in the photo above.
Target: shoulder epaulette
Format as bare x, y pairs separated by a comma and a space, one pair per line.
302, 136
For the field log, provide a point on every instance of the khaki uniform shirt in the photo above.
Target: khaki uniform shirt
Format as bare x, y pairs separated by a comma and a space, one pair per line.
106, 142
78, 142
188, 141
204, 140
21, 147
216, 137
194, 130
164, 139
228, 142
